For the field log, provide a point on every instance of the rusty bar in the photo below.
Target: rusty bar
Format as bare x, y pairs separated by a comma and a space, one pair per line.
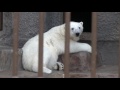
94, 45
40, 64
67, 44
15, 44
119, 57
1, 20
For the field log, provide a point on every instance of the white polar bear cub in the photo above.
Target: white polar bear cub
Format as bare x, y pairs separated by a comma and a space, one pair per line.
54, 42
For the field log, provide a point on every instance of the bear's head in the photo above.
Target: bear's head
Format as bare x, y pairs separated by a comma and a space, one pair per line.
76, 29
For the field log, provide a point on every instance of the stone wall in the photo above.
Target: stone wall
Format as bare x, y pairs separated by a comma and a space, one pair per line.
108, 25
29, 26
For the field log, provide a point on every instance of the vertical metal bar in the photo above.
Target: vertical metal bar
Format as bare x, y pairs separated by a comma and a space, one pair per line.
1, 20
67, 44
94, 45
119, 57
15, 44
40, 64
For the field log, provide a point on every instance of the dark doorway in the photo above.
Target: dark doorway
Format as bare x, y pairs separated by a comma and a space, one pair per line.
83, 16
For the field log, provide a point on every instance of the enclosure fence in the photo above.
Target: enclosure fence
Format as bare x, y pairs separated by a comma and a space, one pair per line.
67, 45
1, 16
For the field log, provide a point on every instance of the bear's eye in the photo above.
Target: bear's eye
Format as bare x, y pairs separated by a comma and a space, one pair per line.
72, 28
79, 27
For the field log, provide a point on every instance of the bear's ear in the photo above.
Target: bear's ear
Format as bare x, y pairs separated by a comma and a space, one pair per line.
81, 23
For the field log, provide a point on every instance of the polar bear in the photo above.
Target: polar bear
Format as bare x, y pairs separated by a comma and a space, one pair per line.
54, 43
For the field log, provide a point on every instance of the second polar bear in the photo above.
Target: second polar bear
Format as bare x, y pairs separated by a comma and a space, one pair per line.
54, 43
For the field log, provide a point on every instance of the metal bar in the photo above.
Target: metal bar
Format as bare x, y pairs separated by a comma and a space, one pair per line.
40, 64
119, 57
15, 44
67, 44
94, 45
1, 20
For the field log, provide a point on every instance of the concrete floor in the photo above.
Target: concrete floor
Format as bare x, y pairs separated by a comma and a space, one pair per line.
102, 72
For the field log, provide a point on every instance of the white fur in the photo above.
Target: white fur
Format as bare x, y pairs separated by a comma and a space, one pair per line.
53, 46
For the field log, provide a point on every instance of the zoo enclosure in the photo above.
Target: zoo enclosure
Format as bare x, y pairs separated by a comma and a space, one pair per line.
66, 58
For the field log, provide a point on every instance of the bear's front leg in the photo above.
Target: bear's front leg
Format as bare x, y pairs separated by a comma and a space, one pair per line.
58, 66
77, 47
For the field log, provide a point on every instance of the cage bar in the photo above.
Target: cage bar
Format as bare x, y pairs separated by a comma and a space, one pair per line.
119, 57
15, 43
67, 44
40, 64
94, 45
1, 20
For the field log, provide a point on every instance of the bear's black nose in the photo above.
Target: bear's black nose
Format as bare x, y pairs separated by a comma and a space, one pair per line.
77, 34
